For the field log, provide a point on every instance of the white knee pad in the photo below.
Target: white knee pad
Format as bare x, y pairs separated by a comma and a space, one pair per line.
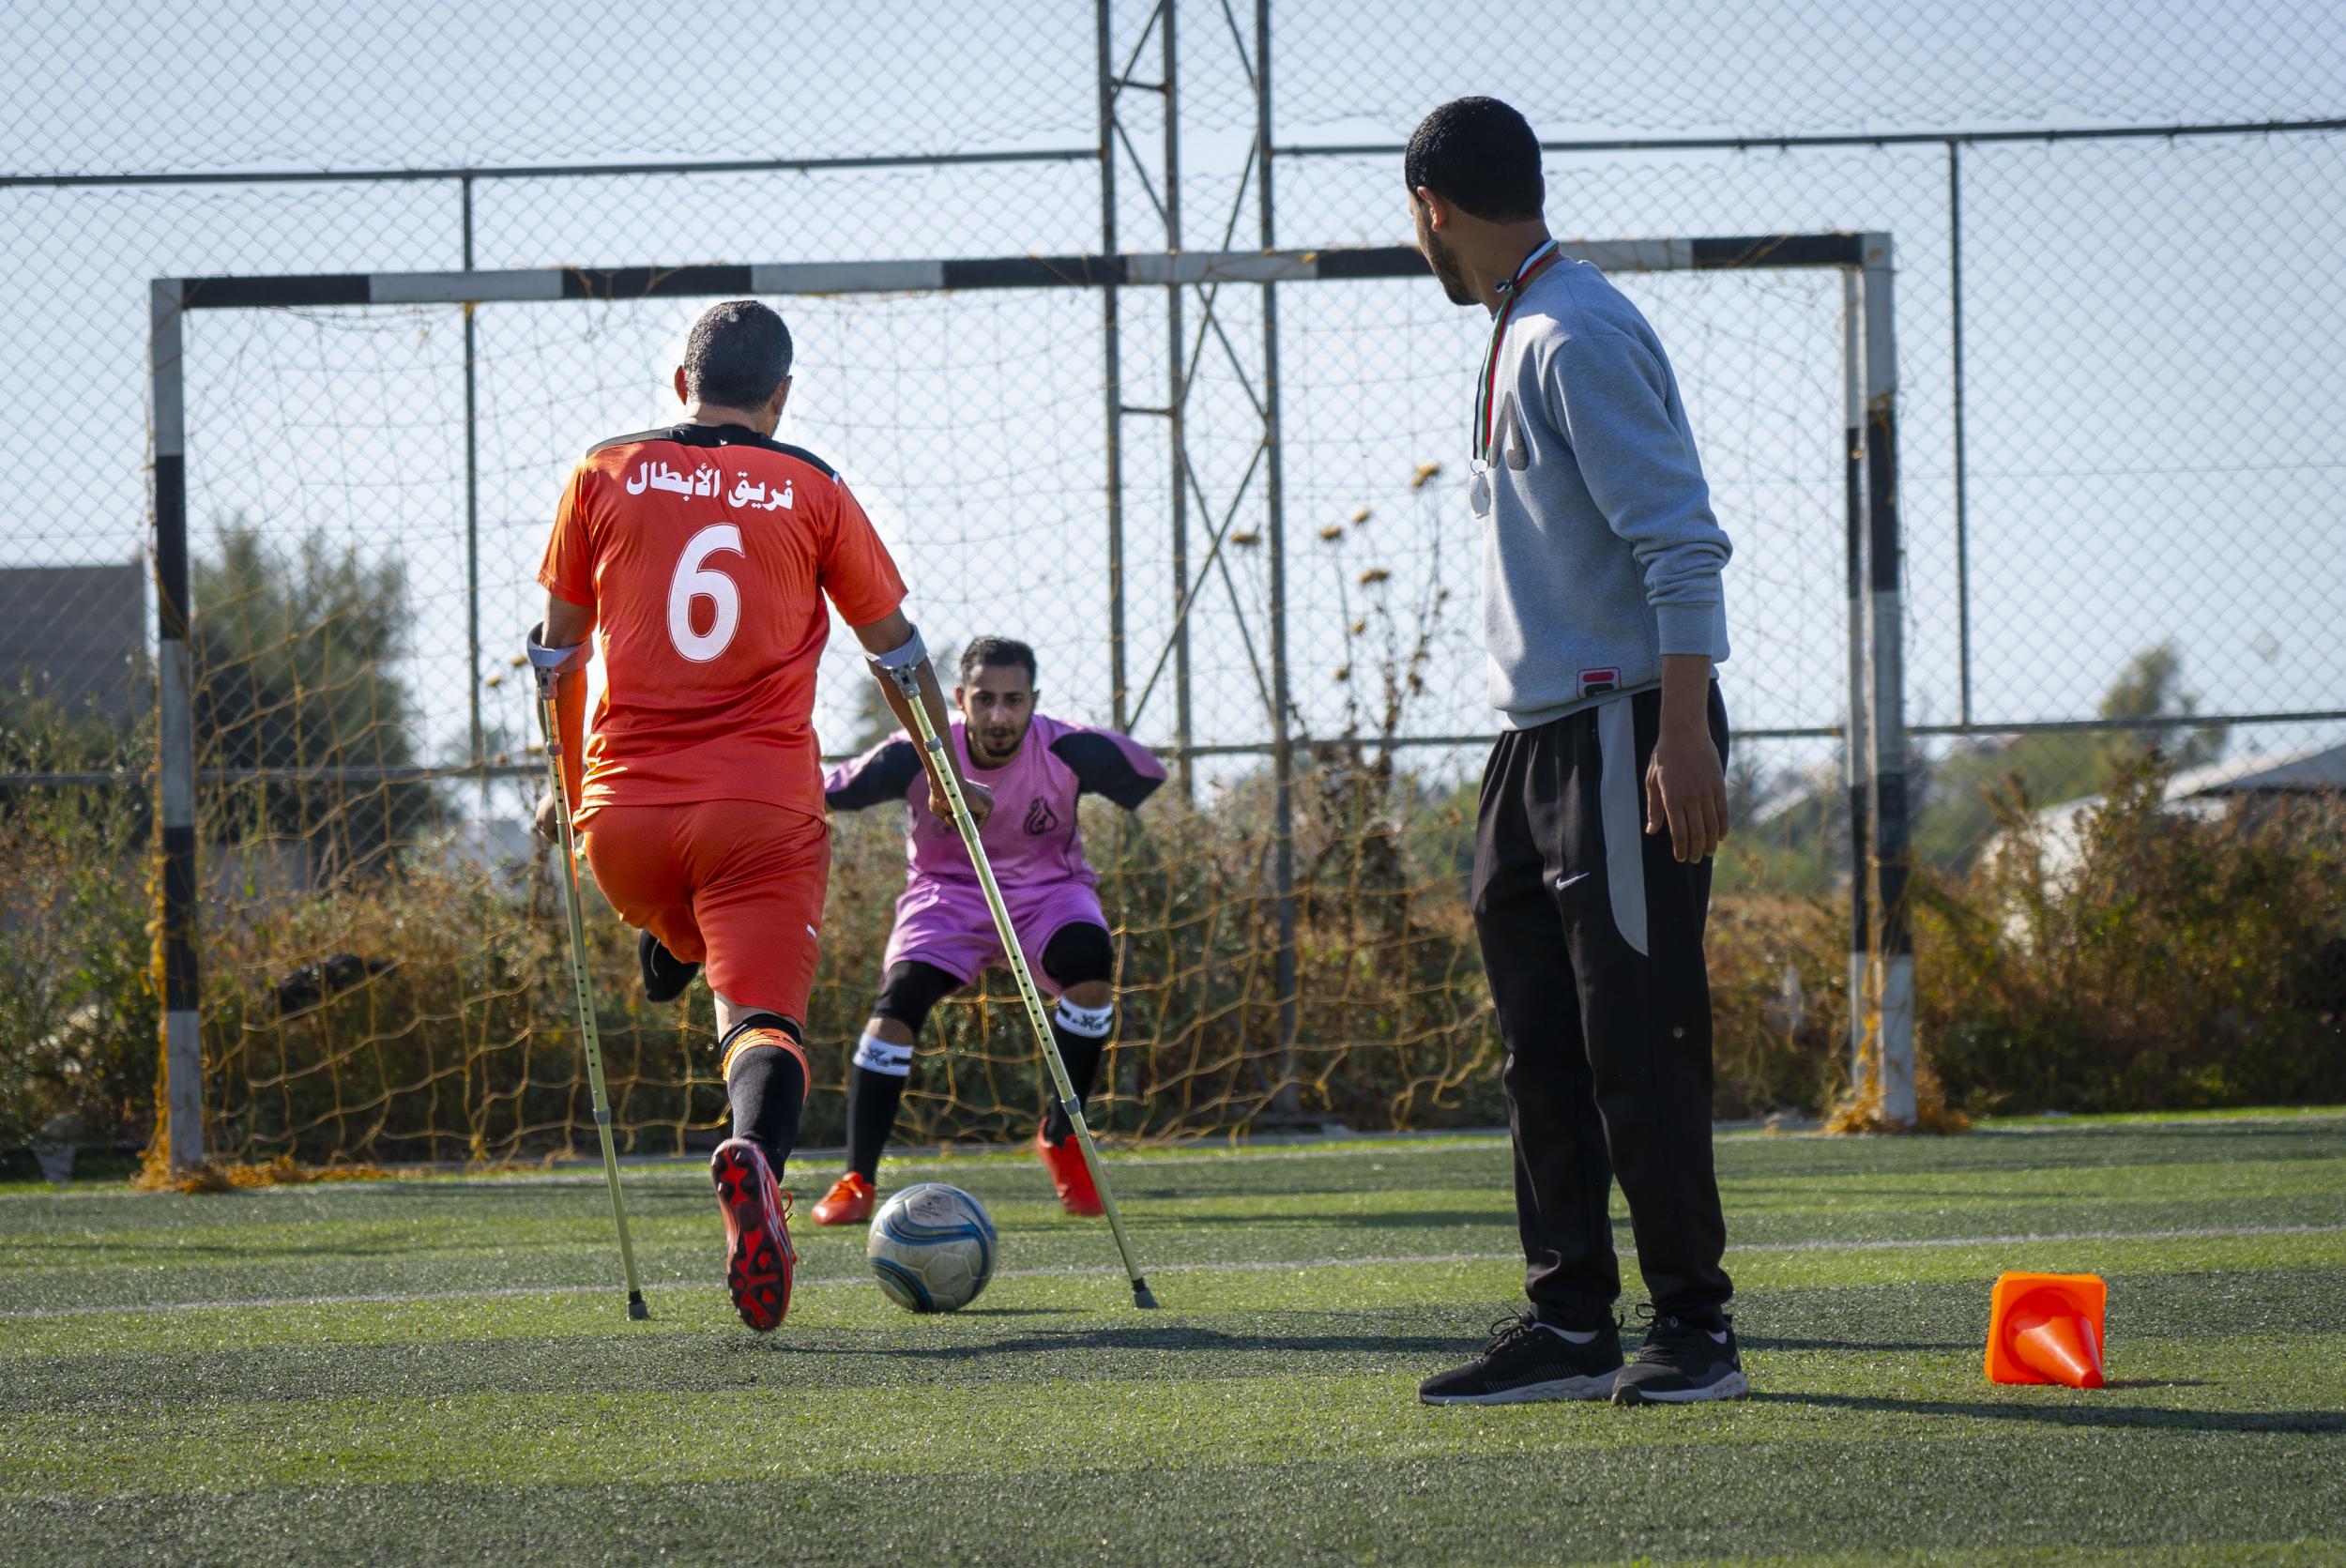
1089, 1023
875, 1055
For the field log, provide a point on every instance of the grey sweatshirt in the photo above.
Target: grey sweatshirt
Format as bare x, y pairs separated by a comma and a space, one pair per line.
1599, 550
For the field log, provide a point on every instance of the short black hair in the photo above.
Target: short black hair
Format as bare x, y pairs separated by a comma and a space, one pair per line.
1482, 155
997, 653
739, 353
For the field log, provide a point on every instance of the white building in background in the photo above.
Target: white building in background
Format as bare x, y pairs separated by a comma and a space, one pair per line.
77, 636
2241, 785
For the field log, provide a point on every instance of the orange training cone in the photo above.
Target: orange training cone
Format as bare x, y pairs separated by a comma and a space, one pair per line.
2047, 1329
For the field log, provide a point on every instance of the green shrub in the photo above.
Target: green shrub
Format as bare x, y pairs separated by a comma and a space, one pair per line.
78, 1020
2177, 962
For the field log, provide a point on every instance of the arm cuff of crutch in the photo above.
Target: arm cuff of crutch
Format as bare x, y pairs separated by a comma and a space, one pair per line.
903, 657
554, 660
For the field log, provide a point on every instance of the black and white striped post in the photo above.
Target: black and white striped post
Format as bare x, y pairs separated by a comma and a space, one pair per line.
1856, 762
1285, 1099
1886, 705
175, 949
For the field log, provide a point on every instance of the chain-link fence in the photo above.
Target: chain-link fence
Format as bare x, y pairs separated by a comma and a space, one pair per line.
1230, 518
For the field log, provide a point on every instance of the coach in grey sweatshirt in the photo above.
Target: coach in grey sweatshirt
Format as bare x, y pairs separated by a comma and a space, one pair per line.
1606, 791
1600, 554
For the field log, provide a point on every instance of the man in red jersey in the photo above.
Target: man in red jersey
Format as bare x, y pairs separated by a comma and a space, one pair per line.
700, 558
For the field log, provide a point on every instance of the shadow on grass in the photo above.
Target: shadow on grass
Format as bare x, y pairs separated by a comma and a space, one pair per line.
1137, 1337
1754, 1342
2134, 1417
1387, 1219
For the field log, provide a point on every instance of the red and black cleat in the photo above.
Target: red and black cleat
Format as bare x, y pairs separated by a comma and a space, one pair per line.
848, 1202
1069, 1174
759, 1255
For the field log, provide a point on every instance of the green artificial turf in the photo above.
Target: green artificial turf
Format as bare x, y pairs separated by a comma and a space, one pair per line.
439, 1369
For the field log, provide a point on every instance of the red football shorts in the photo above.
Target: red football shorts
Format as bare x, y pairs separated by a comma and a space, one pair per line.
735, 885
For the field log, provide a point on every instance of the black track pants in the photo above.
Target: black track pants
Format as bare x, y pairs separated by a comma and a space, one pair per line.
1592, 938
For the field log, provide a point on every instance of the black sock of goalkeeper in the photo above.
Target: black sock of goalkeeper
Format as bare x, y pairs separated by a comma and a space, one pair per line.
767, 1084
875, 1087
1081, 1034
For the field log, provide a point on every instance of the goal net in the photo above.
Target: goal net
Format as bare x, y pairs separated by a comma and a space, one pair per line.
367, 489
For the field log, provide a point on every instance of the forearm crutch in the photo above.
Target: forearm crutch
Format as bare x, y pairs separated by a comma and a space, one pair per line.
550, 665
941, 765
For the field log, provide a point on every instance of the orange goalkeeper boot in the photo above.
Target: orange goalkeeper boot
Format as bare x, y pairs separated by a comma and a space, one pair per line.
758, 1256
1069, 1174
848, 1202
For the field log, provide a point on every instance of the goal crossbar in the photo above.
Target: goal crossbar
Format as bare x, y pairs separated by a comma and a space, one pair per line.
1158, 268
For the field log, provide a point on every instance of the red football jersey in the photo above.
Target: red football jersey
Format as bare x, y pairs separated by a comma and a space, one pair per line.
705, 553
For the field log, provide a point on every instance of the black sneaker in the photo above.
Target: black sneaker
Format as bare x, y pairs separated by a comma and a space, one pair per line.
1526, 1361
665, 975
1683, 1360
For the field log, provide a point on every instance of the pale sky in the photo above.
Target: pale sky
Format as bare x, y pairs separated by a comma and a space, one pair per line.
2154, 409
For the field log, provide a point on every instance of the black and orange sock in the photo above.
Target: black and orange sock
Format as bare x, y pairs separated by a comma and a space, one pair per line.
765, 1070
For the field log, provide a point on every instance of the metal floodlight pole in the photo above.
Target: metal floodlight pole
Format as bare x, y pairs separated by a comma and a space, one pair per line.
1856, 759
1285, 1098
177, 906
1112, 371
1177, 419
1887, 714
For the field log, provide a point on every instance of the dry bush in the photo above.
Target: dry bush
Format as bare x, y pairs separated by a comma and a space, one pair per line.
234, 1176
425, 1011
1779, 1000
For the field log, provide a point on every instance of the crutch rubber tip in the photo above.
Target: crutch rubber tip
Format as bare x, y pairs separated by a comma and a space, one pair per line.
635, 1308
1141, 1298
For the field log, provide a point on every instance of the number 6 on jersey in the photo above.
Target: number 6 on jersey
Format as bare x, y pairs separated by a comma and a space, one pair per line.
695, 579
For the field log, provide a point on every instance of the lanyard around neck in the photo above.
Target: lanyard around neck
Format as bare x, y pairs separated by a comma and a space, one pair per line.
1486, 390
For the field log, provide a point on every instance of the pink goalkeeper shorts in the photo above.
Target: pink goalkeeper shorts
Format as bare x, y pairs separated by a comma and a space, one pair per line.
947, 925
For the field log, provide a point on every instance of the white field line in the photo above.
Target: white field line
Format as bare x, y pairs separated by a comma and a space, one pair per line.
586, 1173
1253, 1266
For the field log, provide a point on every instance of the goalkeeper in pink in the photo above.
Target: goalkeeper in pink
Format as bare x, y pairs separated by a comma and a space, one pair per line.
1037, 767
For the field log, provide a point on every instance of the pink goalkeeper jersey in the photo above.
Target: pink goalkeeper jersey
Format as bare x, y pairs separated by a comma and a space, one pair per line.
1032, 836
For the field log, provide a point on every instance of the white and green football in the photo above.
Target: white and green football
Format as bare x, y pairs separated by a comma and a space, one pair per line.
932, 1248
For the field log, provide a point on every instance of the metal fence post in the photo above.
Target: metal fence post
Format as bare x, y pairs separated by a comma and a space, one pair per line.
472, 524
1886, 611
1856, 757
1955, 375
177, 911
1275, 503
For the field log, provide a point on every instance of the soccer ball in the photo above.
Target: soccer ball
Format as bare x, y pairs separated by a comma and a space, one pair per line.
932, 1248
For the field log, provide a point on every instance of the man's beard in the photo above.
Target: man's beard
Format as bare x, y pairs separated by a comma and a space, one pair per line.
1448, 272
982, 749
